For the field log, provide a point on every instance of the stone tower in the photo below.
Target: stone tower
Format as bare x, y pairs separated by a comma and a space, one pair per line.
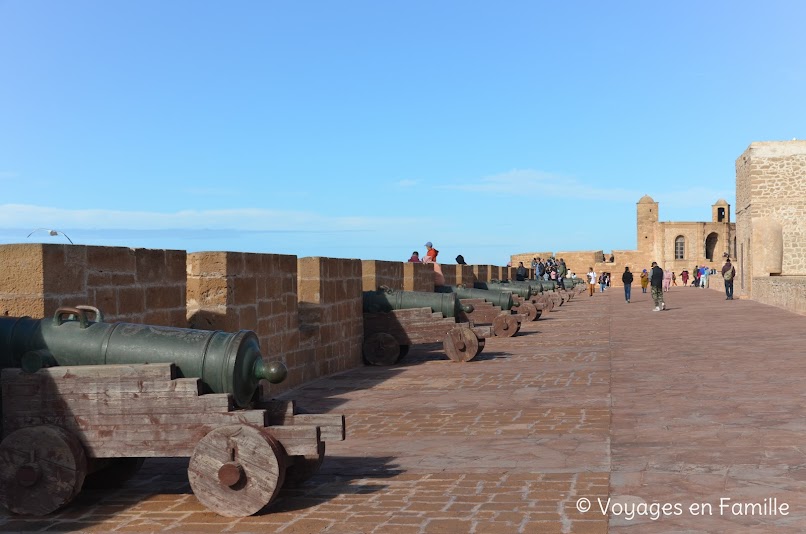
720, 212
647, 224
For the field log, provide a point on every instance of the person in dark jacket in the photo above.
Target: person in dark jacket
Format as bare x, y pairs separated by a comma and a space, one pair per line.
626, 279
656, 283
520, 273
728, 273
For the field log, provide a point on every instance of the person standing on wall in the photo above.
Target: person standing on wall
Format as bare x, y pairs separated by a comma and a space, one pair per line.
626, 279
431, 255
591, 280
728, 273
656, 283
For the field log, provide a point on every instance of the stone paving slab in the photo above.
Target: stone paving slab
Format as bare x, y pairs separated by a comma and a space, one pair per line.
598, 400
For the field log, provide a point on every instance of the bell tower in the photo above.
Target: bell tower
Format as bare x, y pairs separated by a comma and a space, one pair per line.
720, 211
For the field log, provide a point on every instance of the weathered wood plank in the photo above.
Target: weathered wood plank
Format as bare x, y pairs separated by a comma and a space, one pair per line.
179, 386
218, 402
151, 371
331, 426
80, 422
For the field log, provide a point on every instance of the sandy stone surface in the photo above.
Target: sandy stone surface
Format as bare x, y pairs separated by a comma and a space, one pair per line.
599, 400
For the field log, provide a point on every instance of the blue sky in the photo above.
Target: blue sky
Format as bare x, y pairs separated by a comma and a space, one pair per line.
364, 129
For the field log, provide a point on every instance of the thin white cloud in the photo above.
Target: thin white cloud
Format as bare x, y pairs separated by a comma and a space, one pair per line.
407, 183
529, 182
31, 216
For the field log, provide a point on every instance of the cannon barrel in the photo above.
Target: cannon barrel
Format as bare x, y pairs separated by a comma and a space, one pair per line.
225, 362
522, 289
502, 299
385, 301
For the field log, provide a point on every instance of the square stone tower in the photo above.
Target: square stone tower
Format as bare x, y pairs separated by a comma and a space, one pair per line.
770, 211
647, 225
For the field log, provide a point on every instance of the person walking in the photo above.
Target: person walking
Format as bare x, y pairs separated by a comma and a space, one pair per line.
591, 280
626, 279
674, 279
602, 282
667, 280
644, 281
656, 282
728, 273
684, 277
704, 276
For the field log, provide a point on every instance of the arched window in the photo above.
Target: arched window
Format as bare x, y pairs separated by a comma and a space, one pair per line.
679, 247
710, 245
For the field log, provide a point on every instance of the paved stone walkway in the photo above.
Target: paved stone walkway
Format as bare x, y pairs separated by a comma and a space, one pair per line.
600, 400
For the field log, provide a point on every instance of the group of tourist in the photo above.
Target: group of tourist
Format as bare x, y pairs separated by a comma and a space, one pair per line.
659, 281
549, 269
431, 256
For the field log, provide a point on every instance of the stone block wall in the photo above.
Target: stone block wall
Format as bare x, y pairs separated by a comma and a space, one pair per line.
481, 273
771, 185
418, 277
382, 273
526, 257
787, 292
132, 285
234, 291
449, 273
465, 275
331, 315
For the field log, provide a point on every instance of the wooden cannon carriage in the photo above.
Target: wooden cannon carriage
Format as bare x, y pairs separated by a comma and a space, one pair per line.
67, 424
395, 320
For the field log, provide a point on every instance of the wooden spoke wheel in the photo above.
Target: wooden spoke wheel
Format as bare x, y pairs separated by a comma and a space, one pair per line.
112, 472
462, 344
236, 470
506, 325
381, 349
304, 467
41, 469
548, 303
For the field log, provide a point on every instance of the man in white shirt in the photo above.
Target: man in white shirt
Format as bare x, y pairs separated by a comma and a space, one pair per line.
591, 280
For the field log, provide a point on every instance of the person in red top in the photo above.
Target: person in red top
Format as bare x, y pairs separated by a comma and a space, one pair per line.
431, 255
415, 257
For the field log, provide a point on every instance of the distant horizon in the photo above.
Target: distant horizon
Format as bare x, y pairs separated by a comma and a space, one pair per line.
152, 238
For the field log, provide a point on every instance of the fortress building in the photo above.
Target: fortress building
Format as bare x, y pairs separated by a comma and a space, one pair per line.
674, 245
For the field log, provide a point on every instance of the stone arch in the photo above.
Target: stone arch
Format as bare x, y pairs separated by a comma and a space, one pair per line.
679, 247
710, 245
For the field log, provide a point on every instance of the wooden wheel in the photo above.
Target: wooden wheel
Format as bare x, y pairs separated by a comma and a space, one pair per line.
304, 467
461, 344
529, 309
505, 325
112, 472
548, 303
381, 349
41, 469
236, 470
